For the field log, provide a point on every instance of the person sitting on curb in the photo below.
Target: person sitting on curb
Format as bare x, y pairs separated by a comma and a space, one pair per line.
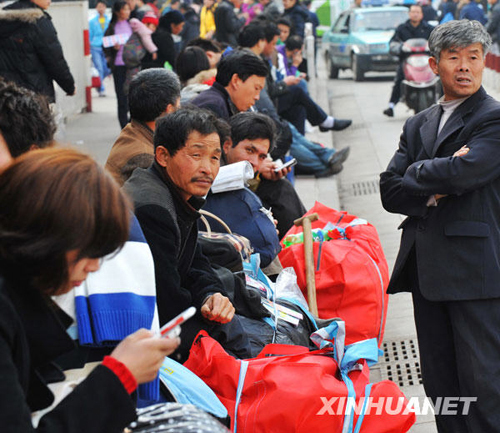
240, 79
152, 94
167, 197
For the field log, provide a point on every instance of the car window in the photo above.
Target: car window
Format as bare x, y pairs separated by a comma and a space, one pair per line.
340, 23
378, 20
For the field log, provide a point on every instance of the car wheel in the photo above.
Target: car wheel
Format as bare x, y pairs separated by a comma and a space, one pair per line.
359, 74
332, 69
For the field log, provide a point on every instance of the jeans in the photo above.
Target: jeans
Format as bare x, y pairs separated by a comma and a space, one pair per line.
311, 157
100, 64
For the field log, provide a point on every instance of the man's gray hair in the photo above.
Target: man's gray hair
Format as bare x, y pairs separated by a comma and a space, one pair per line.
458, 34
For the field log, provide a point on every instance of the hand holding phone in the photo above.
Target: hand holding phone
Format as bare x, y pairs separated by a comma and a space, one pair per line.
173, 329
287, 164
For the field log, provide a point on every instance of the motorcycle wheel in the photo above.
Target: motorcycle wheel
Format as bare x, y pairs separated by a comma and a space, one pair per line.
422, 102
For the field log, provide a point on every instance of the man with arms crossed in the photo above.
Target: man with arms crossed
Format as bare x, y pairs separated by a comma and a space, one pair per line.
445, 176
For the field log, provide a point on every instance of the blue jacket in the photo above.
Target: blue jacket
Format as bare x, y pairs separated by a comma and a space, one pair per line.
96, 32
473, 11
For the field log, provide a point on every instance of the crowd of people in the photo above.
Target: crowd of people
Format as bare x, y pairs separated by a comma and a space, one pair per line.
86, 265
93, 260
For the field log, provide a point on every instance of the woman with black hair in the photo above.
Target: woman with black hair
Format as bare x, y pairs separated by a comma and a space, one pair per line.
119, 25
60, 213
171, 23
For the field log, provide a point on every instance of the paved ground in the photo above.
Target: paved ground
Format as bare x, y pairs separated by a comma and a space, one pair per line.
373, 139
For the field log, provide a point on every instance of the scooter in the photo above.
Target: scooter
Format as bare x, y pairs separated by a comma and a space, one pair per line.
421, 87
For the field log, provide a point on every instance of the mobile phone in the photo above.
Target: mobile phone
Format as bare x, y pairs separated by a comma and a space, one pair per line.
172, 329
287, 164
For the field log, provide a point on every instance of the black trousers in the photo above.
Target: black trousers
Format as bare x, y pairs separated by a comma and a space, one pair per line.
296, 106
460, 357
119, 76
396, 89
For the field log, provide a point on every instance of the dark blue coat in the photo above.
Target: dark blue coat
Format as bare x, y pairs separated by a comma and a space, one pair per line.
457, 243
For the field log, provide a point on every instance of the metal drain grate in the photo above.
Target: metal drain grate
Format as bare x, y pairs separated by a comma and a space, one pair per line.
401, 363
366, 187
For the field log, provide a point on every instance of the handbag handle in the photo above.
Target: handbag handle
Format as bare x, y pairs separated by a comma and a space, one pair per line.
205, 214
282, 349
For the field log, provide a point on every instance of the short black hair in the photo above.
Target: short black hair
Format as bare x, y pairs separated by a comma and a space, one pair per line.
285, 21
172, 131
205, 45
251, 35
101, 1
294, 43
271, 30
25, 118
190, 61
241, 62
151, 91
250, 125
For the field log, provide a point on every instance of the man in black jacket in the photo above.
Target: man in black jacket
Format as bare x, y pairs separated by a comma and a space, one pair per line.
445, 177
167, 198
30, 52
241, 76
415, 27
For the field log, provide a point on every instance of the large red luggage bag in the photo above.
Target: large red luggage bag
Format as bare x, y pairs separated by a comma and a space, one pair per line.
351, 273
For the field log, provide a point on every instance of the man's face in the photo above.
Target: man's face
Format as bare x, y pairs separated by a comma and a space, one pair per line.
285, 32
287, 4
271, 46
416, 15
131, 3
254, 151
177, 28
460, 70
213, 58
194, 167
246, 93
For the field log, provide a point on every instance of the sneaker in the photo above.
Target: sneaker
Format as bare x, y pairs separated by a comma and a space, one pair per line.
338, 125
389, 112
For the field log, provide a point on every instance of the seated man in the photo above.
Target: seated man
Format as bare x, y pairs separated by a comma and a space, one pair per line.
240, 78
152, 93
167, 197
312, 158
26, 122
252, 138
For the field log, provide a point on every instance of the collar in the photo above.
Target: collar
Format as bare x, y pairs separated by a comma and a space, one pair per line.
230, 105
145, 129
190, 207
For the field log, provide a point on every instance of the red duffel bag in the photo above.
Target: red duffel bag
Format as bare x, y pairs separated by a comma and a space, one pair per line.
351, 272
290, 389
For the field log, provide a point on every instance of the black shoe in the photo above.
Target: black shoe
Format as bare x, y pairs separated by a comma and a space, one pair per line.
339, 156
389, 112
330, 171
338, 125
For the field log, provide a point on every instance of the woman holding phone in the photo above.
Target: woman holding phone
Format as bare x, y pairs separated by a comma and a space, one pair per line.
60, 213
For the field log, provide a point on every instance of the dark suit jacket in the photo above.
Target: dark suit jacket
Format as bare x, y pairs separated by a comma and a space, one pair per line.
457, 243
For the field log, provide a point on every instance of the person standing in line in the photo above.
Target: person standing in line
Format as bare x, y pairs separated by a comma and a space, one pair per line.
30, 52
207, 21
445, 177
119, 25
97, 27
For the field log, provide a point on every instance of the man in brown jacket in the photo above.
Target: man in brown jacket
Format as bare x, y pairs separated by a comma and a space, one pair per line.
152, 94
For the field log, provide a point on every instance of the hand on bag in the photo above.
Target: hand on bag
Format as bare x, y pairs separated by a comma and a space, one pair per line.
143, 353
218, 308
